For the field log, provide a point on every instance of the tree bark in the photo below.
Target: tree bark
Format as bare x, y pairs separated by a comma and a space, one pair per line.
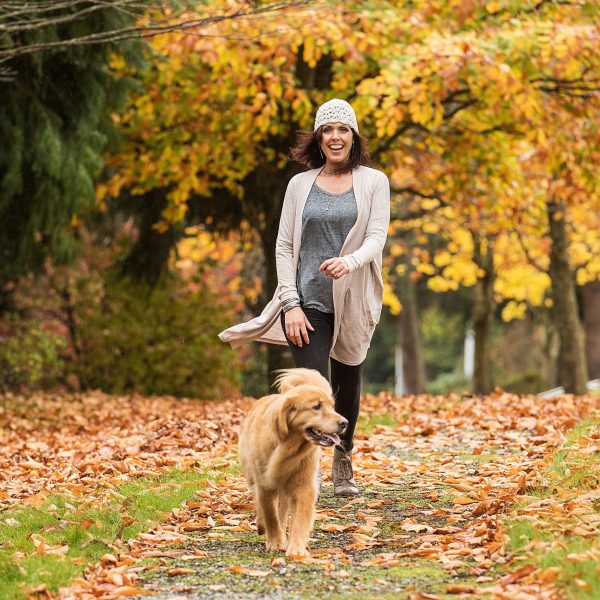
278, 357
590, 294
148, 258
263, 202
546, 336
483, 316
409, 339
572, 372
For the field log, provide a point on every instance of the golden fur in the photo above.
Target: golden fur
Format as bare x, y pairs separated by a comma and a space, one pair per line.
279, 451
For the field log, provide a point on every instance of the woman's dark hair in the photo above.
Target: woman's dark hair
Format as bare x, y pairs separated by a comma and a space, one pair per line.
307, 151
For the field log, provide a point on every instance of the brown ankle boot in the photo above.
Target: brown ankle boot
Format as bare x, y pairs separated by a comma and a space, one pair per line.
341, 474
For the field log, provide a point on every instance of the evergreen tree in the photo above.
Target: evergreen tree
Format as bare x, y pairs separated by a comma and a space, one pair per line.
55, 123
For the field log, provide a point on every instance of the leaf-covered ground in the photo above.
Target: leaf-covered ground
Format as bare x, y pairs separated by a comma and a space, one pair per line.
461, 496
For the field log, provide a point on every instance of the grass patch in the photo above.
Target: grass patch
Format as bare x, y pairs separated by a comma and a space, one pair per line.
477, 458
367, 425
563, 544
81, 533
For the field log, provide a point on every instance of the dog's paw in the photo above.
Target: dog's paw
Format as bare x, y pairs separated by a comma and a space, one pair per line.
297, 552
274, 545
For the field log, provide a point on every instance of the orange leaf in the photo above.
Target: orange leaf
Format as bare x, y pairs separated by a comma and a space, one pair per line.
463, 500
180, 571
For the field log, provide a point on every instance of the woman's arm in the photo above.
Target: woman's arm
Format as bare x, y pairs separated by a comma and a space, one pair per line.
296, 323
377, 228
284, 251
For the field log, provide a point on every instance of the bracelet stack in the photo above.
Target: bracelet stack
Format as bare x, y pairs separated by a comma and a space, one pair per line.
289, 303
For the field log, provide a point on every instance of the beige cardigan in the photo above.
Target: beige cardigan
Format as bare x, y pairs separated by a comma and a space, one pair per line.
357, 297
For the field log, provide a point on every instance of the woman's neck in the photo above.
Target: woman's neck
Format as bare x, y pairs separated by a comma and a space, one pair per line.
330, 170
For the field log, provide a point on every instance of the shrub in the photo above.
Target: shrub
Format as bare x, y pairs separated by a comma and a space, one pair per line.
30, 356
154, 341
448, 382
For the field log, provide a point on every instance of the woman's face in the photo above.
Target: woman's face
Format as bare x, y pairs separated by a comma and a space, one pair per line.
336, 142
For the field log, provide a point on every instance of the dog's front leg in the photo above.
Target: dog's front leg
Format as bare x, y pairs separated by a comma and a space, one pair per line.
284, 514
302, 518
260, 520
266, 500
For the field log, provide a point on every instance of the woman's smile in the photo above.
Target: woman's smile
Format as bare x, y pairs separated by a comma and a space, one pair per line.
336, 142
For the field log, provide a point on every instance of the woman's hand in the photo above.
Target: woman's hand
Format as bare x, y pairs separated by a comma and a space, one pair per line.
334, 267
296, 325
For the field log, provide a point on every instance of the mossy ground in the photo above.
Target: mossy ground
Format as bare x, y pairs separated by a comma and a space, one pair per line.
340, 571
336, 576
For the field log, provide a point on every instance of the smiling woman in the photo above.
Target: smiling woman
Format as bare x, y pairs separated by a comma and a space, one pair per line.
329, 249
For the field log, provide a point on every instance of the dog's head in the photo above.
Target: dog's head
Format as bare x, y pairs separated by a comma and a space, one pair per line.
309, 410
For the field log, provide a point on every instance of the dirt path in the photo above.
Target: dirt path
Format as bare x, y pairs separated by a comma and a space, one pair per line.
439, 477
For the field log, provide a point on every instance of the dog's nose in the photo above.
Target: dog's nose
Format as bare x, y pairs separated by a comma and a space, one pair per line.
342, 424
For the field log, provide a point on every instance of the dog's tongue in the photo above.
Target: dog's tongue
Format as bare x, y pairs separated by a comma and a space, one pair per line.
332, 436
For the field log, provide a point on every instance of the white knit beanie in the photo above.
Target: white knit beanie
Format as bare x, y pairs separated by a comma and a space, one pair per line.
336, 111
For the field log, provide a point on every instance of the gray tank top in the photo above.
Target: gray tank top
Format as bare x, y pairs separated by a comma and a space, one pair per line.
326, 221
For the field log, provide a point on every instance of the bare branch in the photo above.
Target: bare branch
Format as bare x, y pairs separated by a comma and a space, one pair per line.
9, 25
528, 256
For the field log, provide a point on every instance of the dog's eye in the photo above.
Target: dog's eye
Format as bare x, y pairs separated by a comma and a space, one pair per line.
317, 406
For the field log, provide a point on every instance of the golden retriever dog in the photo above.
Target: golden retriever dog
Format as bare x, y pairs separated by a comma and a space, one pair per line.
280, 447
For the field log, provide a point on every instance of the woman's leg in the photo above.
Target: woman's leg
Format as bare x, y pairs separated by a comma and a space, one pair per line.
314, 355
345, 382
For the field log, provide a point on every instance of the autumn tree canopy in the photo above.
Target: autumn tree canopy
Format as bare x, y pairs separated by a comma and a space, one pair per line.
484, 114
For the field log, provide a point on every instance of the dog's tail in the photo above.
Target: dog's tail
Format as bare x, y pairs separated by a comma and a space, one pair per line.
290, 378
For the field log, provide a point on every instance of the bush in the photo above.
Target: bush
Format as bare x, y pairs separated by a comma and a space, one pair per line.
30, 356
529, 382
443, 335
448, 382
154, 341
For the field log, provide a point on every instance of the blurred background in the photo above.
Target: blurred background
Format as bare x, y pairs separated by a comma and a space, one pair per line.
145, 158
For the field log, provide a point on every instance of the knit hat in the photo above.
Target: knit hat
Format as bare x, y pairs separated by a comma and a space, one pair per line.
336, 111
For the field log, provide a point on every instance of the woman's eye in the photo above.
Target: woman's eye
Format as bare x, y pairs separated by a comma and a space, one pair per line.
317, 406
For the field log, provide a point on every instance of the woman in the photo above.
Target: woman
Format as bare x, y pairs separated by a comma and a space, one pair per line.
329, 250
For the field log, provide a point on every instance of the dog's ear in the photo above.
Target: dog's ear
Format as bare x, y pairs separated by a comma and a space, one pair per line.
282, 422
288, 379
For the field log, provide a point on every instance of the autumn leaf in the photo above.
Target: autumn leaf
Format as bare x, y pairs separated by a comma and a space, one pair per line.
463, 500
180, 571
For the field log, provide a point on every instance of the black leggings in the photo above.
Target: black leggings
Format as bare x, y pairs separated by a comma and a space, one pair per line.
345, 379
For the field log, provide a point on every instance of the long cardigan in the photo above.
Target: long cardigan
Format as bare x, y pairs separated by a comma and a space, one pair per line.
358, 296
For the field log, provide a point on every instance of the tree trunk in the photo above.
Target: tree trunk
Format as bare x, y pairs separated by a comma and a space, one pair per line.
7, 299
148, 258
546, 336
270, 185
591, 327
572, 372
409, 340
483, 316
278, 357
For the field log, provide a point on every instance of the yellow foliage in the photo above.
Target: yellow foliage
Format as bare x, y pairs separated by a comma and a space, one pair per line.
514, 310
391, 300
440, 284
464, 104
523, 283
442, 259
425, 268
